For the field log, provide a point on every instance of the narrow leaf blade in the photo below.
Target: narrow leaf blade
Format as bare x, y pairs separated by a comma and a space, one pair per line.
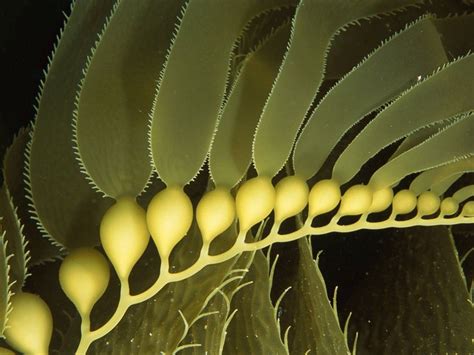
193, 82
447, 93
67, 208
386, 72
314, 25
117, 94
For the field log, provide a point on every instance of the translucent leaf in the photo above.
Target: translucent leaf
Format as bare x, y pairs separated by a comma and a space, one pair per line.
428, 178
464, 193
301, 74
452, 144
117, 94
351, 46
314, 322
253, 35
231, 152
210, 330
419, 136
5, 283
40, 248
418, 301
447, 93
254, 328
68, 209
442, 186
16, 245
392, 68
193, 82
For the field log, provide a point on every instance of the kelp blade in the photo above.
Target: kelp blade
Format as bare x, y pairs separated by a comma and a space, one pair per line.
15, 239
231, 152
315, 324
5, 283
301, 74
209, 330
117, 95
254, 328
388, 71
440, 187
464, 193
191, 89
66, 205
40, 248
428, 178
447, 93
452, 144
419, 136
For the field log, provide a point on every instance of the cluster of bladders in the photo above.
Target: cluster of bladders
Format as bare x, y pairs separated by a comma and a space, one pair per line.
126, 228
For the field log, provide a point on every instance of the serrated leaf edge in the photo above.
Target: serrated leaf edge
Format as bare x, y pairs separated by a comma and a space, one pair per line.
9, 290
342, 28
75, 113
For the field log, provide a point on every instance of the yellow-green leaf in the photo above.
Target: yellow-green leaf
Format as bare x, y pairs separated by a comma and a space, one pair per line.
67, 208
451, 144
231, 152
447, 93
386, 72
314, 25
192, 85
40, 248
16, 244
5, 283
117, 95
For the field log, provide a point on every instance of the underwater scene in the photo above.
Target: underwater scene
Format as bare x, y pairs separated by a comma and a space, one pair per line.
237, 177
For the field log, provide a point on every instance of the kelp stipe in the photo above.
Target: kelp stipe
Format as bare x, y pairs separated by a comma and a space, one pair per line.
115, 167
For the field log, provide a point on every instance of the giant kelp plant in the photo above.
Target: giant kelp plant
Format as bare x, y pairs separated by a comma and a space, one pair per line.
221, 129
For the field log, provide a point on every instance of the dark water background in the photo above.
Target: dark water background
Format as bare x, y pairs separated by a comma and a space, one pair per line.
28, 30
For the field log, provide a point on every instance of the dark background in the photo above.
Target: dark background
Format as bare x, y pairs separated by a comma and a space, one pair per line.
28, 30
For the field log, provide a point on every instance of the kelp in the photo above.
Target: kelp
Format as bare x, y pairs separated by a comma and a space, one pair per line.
6, 283
116, 95
314, 321
174, 125
453, 143
464, 193
300, 76
432, 177
385, 73
209, 331
15, 242
40, 249
134, 114
231, 153
254, 329
441, 187
65, 206
438, 97
153, 324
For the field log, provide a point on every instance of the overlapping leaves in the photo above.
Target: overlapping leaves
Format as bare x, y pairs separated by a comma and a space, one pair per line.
256, 120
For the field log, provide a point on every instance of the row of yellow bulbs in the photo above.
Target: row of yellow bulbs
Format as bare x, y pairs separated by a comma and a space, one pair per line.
126, 227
